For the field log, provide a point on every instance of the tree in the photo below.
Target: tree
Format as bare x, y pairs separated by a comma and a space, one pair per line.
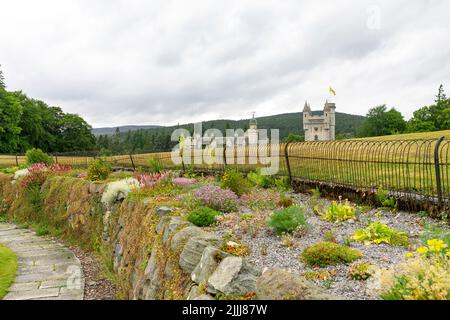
380, 122
10, 113
32, 133
2, 79
434, 117
294, 138
422, 121
75, 134
441, 95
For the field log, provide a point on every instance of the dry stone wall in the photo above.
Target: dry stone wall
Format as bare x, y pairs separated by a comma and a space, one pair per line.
155, 252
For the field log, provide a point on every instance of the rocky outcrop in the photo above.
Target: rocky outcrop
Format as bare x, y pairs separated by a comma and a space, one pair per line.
209, 261
193, 250
277, 284
233, 277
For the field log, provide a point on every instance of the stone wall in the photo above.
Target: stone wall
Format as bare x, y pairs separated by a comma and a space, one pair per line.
154, 251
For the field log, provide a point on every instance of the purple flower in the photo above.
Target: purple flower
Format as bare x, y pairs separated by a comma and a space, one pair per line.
217, 198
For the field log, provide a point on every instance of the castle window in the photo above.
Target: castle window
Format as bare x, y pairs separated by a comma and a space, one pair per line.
316, 137
316, 129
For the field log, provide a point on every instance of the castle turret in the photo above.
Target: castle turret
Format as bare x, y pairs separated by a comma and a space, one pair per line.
306, 108
252, 131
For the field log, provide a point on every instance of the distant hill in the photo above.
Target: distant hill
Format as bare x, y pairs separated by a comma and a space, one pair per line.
346, 124
143, 140
112, 130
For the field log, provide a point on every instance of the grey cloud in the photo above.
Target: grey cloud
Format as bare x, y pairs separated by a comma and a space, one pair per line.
160, 62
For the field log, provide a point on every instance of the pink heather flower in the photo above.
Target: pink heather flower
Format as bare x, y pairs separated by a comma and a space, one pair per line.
37, 167
82, 175
60, 168
217, 198
152, 179
183, 182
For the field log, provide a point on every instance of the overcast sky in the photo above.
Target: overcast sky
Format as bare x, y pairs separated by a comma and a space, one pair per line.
120, 62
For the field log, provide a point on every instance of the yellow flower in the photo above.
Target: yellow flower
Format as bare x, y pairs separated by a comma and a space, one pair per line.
436, 245
409, 255
422, 250
448, 253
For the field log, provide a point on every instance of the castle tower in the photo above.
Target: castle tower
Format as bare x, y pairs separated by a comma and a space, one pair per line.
252, 132
319, 127
329, 111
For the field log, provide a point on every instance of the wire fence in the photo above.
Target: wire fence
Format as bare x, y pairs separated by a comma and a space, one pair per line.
413, 169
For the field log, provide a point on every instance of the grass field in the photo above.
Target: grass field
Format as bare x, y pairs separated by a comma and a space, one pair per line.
418, 135
8, 268
402, 163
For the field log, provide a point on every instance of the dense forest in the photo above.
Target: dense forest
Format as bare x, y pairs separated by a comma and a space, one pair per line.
27, 123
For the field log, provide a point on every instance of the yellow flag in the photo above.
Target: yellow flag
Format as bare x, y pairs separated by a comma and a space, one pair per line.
332, 91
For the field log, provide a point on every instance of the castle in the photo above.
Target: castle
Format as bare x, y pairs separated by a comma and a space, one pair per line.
319, 127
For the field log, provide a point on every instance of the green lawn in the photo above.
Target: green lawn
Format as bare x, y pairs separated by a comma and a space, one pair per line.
417, 135
8, 268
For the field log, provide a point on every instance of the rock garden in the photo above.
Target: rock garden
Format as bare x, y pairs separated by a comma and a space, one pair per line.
182, 235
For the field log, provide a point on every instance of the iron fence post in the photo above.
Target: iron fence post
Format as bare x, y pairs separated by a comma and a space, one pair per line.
132, 161
438, 170
182, 160
224, 156
17, 160
288, 165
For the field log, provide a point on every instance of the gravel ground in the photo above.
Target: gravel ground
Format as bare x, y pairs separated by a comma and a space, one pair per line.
97, 286
268, 251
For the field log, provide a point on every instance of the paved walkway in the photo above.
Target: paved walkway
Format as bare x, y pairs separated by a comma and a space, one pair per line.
47, 270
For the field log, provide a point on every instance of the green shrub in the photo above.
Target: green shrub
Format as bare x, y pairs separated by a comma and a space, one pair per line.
37, 156
323, 254
189, 172
99, 170
282, 183
287, 220
155, 166
285, 202
235, 181
377, 232
35, 196
338, 212
360, 271
263, 181
384, 200
203, 216
42, 230
330, 236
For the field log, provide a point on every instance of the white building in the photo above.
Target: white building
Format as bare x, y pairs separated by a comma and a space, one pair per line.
252, 132
320, 127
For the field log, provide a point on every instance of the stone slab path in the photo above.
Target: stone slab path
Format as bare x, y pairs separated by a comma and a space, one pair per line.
47, 269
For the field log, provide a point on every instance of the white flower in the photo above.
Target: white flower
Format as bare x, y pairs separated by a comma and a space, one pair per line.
118, 190
20, 173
